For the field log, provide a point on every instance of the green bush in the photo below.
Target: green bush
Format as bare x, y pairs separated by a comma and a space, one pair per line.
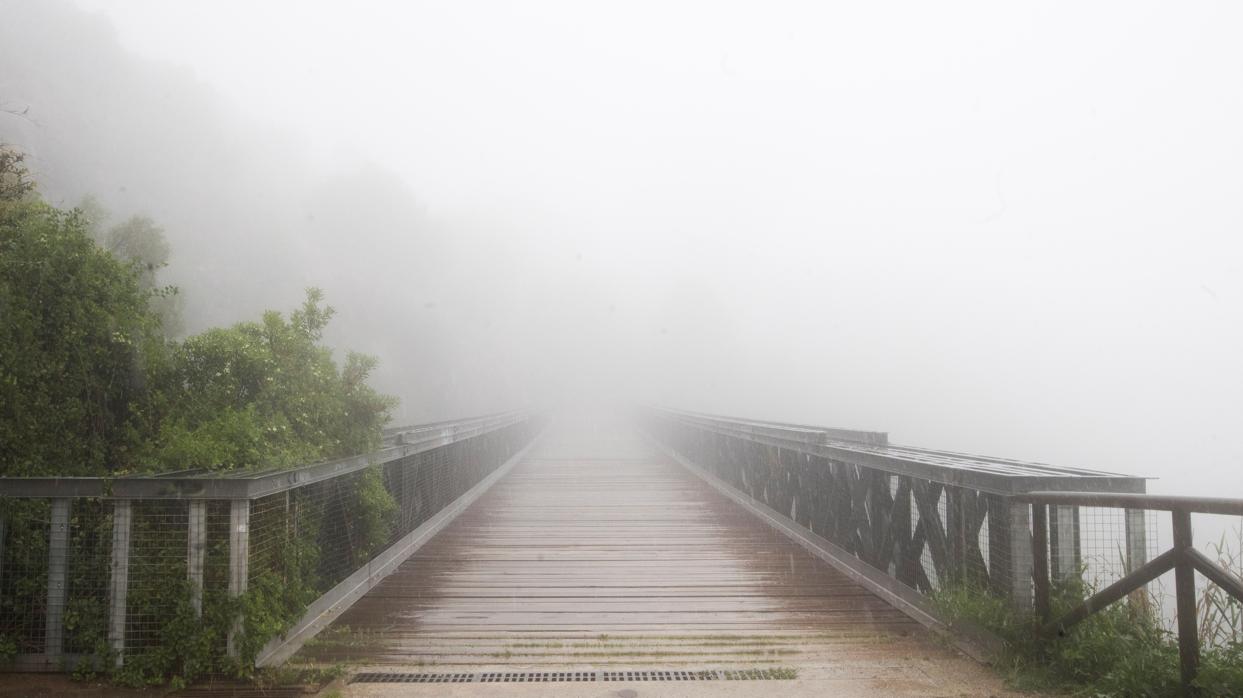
76, 335
264, 394
1121, 650
85, 351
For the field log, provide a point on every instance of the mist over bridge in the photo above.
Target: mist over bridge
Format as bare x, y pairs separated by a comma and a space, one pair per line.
622, 547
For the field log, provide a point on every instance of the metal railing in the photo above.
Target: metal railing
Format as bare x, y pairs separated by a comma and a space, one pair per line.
904, 521
95, 568
1183, 558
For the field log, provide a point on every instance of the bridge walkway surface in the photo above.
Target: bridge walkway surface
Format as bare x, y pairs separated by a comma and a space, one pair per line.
596, 553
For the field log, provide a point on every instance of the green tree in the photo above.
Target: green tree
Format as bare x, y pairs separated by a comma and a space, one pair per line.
88, 385
141, 242
15, 182
75, 333
263, 394
96, 216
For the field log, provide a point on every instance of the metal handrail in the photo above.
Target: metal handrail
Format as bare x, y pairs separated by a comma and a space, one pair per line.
873, 450
1125, 500
252, 484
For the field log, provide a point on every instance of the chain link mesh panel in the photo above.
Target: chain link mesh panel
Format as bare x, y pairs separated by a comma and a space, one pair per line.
103, 580
24, 576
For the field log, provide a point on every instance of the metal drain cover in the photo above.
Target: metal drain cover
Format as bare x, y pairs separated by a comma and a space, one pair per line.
774, 674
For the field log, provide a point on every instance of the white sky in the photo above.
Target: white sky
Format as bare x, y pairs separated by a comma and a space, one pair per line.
1006, 227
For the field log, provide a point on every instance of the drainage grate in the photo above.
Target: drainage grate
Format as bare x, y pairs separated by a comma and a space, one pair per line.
519, 676
659, 675
567, 676
375, 677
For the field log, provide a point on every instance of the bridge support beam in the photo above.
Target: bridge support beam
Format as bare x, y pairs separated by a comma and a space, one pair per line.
239, 562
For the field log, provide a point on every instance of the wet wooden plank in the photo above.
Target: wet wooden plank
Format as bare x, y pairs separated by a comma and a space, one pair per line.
613, 541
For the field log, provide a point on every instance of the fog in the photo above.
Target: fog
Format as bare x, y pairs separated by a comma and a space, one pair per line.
989, 227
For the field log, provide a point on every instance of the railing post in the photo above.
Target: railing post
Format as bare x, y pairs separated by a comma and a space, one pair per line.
118, 584
1185, 596
955, 535
1040, 560
239, 563
1136, 540
1018, 529
57, 569
1000, 553
196, 552
1136, 553
1064, 540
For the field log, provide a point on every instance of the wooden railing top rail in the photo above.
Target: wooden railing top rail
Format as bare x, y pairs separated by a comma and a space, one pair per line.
1157, 502
393, 431
872, 450
251, 484
798, 432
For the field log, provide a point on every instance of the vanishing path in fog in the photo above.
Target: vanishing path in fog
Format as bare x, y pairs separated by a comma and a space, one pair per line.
595, 553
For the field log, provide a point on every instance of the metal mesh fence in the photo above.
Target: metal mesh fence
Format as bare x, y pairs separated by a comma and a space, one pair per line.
933, 533
24, 575
110, 580
157, 563
922, 532
1220, 614
88, 551
318, 535
926, 532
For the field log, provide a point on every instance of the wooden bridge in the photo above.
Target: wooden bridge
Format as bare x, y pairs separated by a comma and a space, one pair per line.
596, 552
665, 546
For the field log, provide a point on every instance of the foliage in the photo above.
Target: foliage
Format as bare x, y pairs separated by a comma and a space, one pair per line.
142, 243
376, 510
1121, 650
8, 649
262, 394
1221, 671
73, 344
289, 674
15, 182
84, 352
186, 645
1220, 614
81, 353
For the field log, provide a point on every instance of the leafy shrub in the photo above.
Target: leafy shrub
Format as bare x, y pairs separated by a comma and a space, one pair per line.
262, 394
84, 350
1121, 650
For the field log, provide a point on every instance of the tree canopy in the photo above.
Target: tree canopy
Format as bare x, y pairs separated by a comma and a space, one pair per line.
90, 384
75, 336
263, 392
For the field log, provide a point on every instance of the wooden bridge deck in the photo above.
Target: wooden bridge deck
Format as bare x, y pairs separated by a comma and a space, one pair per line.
590, 554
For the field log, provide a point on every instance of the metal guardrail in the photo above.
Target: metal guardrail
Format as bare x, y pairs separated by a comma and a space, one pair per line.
923, 517
251, 484
103, 549
1183, 558
906, 522
902, 521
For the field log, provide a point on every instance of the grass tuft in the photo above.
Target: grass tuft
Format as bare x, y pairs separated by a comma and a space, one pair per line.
1122, 650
